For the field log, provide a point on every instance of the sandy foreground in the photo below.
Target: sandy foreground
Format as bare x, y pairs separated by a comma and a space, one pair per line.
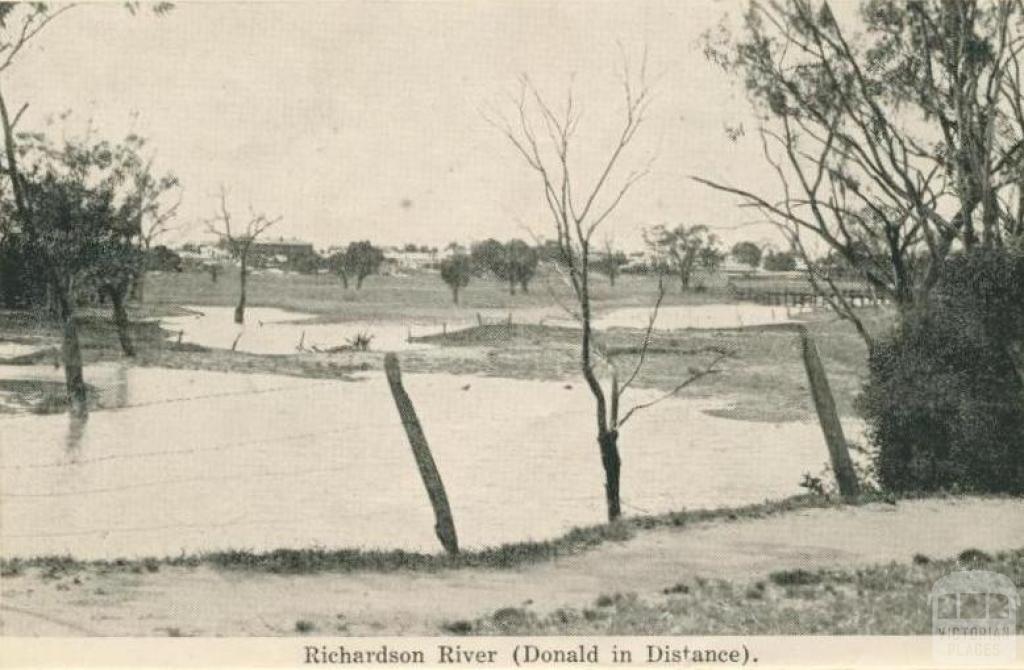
212, 602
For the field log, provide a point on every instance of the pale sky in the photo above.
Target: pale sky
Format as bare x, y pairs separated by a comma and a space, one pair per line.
363, 120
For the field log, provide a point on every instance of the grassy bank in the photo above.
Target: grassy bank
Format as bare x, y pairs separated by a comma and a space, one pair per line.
798, 566
890, 599
418, 296
507, 556
763, 380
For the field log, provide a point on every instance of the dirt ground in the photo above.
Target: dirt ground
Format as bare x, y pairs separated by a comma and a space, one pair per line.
210, 602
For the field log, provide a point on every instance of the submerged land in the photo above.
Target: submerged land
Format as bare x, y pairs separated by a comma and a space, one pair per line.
802, 564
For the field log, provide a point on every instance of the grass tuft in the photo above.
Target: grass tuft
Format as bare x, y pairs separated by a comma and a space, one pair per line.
888, 599
797, 577
458, 627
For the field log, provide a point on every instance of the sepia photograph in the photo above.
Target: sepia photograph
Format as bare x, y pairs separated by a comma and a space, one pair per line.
504, 333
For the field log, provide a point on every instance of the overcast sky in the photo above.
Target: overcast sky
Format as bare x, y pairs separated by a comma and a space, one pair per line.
364, 120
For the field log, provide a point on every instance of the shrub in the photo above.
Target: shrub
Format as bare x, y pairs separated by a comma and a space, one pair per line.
21, 283
945, 399
797, 577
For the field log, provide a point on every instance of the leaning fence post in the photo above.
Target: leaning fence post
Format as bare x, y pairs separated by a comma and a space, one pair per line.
445, 525
825, 405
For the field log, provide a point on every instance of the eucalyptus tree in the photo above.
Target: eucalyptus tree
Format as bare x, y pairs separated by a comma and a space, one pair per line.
456, 272
900, 132
682, 249
54, 209
79, 226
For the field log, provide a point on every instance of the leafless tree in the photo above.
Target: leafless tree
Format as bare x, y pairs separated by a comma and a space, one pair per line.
611, 261
239, 242
544, 139
156, 215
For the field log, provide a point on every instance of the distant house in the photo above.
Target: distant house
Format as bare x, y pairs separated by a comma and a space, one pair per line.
193, 253
281, 250
731, 267
400, 261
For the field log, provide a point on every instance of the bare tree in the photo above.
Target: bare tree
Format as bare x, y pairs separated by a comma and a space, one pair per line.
239, 242
575, 219
611, 260
155, 215
893, 147
20, 22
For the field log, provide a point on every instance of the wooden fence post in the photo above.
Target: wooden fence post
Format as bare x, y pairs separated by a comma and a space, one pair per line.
445, 524
825, 405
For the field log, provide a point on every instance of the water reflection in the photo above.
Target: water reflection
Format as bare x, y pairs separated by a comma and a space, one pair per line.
75, 436
119, 394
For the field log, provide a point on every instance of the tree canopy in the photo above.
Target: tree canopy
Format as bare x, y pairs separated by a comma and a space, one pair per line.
902, 135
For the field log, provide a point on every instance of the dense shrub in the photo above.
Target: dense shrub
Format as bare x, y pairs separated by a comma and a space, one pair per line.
945, 400
21, 283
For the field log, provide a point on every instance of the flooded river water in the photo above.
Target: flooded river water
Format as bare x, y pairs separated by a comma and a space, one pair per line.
274, 331
193, 461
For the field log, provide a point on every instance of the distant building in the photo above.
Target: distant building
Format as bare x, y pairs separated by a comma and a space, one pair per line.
731, 267
399, 261
281, 250
196, 253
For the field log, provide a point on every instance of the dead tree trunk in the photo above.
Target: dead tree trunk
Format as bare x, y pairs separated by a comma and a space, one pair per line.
1017, 358
825, 405
609, 444
139, 287
243, 277
117, 295
72, 355
445, 525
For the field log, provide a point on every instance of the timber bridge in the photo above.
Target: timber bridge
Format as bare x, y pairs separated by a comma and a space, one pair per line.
800, 292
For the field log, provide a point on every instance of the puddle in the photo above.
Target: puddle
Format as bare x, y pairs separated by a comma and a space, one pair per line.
198, 461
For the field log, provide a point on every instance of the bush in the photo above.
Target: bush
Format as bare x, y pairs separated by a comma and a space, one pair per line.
944, 402
21, 275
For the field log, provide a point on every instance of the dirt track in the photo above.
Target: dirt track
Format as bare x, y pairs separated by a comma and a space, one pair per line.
205, 601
